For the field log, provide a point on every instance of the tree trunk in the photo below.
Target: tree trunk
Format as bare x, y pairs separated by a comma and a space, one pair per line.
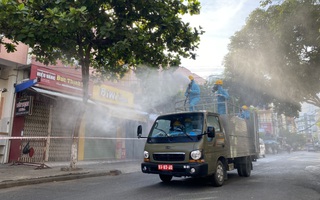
75, 138
75, 134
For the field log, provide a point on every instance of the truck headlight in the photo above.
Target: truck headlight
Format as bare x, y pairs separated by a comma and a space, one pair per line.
196, 154
146, 154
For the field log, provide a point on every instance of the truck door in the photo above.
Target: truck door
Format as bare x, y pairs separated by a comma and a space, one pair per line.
215, 147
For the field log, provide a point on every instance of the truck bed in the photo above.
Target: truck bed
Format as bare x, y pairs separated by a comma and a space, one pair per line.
241, 142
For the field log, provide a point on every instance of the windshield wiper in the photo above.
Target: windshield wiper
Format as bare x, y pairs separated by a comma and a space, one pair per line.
162, 131
187, 135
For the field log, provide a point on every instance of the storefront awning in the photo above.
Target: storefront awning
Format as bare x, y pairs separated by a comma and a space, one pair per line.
25, 85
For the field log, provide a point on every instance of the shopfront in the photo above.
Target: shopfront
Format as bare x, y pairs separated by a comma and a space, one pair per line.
46, 113
110, 128
44, 117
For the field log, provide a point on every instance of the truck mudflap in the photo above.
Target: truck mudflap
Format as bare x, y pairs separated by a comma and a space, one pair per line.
177, 170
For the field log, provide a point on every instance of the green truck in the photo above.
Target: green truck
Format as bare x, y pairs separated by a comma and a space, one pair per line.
200, 144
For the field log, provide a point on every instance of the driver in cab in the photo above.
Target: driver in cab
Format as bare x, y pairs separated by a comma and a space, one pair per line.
179, 129
176, 129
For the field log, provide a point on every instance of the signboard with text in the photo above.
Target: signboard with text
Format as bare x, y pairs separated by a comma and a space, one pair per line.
24, 106
55, 80
267, 127
113, 95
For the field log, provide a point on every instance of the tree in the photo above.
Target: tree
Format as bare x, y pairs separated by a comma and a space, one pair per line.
275, 56
107, 35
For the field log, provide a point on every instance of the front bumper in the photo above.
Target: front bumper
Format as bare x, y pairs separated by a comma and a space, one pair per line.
185, 169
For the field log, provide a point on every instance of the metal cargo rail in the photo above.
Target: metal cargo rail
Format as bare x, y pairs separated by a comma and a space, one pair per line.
208, 103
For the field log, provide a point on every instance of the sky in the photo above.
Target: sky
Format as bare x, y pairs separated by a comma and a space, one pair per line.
220, 19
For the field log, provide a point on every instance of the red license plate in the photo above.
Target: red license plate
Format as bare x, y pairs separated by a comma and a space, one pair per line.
165, 167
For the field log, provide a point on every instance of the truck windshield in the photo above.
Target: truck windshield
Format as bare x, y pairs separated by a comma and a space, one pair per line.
178, 127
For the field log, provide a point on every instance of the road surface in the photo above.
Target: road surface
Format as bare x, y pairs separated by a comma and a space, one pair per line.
294, 176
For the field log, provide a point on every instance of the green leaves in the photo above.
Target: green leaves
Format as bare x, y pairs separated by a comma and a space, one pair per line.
4, 2
21, 6
100, 33
10, 47
278, 51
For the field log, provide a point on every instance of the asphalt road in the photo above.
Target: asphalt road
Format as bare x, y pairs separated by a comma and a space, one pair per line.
294, 176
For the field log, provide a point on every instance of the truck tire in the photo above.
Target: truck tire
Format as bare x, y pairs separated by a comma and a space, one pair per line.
244, 168
239, 169
165, 178
218, 176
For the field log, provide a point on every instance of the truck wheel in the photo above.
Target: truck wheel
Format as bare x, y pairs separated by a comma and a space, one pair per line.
165, 178
218, 176
246, 167
239, 169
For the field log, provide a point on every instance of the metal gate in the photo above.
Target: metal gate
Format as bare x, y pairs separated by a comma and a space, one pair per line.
64, 116
50, 125
36, 125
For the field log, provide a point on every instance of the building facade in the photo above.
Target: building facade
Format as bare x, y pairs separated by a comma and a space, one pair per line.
40, 108
11, 72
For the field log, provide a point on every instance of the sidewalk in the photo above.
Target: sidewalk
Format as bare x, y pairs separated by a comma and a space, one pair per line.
12, 175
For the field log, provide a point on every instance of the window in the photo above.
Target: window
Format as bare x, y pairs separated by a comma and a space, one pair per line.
214, 121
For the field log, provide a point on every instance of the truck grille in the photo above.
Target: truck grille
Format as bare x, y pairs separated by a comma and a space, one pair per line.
169, 156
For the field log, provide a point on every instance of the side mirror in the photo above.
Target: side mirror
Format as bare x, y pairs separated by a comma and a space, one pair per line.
139, 131
211, 132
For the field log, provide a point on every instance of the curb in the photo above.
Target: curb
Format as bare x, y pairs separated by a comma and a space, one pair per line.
65, 177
